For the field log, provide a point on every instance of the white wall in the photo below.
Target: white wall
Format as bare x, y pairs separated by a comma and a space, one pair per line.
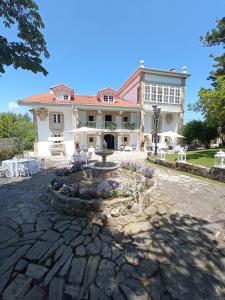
44, 133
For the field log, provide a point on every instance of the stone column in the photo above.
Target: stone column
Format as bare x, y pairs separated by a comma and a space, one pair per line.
141, 101
34, 113
181, 114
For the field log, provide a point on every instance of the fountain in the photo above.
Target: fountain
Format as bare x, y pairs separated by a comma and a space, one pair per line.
103, 165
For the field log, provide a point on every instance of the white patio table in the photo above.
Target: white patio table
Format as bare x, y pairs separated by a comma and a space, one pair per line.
12, 165
80, 157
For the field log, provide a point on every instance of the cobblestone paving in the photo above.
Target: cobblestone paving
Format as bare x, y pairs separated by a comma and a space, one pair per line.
175, 251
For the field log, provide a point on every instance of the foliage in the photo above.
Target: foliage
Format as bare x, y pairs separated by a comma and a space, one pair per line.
133, 167
130, 126
19, 127
199, 131
211, 104
26, 52
111, 125
148, 172
7, 154
216, 37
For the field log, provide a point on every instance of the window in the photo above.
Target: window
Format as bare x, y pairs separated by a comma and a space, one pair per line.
162, 93
166, 90
108, 118
125, 139
65, 96
91, 140
90, 118
160, 89
125, 119
171, 91
57, 118
166, 99
177, 100
159, 98
153, 98
108, 98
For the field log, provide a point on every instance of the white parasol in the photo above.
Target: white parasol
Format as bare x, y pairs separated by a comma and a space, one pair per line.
171, 134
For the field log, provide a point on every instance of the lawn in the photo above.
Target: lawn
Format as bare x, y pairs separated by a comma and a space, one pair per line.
200, 157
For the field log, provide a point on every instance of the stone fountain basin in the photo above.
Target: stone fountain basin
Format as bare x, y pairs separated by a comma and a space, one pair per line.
106, 152
103, 208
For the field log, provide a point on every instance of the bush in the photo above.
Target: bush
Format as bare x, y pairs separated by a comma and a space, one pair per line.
7, 153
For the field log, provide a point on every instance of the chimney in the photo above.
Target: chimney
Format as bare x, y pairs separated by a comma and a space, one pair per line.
184, 69
173, 70
142, 63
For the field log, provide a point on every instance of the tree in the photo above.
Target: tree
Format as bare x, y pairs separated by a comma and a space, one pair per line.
25, 53
211, 102
198, 131
216, 37
19, 127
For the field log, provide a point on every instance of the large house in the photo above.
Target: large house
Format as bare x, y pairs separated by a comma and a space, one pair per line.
120, 117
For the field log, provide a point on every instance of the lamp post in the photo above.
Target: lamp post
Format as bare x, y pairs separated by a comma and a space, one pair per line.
219, 130
156, 111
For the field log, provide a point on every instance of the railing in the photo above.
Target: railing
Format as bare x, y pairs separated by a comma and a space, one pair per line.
129, 125
56, 126
109, 125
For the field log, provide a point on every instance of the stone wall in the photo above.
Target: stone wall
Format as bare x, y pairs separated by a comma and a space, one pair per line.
211, 173
104, 208
7, 143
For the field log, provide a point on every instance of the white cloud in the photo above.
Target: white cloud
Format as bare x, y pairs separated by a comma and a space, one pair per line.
13, 105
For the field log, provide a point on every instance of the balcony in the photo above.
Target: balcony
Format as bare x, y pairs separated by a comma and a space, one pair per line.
56, 126
109, 125
129, 125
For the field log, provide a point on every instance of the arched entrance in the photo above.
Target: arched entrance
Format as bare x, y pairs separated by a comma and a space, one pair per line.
109, 138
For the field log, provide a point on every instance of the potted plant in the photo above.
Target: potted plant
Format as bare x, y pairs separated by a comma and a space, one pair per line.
111, 125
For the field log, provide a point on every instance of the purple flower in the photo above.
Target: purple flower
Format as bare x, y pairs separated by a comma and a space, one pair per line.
77, 166
57, 183
148, 172
63, 172
114, 184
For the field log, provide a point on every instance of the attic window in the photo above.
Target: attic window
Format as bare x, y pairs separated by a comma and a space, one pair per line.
108, 98
65, 96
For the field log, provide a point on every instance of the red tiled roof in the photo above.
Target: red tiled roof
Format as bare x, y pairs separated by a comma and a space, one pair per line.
78, 99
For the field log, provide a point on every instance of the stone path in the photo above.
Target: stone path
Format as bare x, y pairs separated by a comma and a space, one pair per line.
175, 251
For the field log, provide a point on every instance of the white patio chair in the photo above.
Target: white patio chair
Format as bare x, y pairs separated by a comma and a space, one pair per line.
23, 169
3, 171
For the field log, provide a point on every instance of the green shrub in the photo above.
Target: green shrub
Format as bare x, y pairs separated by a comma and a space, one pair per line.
7, 154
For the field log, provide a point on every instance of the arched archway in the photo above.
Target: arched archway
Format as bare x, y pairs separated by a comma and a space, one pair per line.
109, 138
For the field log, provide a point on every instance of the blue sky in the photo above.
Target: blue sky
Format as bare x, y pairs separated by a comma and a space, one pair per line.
94, 44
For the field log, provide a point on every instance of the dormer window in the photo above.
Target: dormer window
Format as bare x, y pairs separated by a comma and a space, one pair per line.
108, 98
65, 96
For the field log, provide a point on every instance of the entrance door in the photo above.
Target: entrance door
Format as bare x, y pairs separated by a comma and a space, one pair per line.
109, 138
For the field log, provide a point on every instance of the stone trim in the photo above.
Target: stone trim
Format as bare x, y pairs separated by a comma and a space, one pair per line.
51, 120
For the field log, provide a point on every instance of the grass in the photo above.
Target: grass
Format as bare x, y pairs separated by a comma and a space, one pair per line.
203, 158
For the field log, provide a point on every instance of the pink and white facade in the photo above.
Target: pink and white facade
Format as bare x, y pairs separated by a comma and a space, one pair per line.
120, 117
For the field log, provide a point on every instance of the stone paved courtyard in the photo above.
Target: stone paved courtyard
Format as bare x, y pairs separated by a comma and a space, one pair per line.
176, 250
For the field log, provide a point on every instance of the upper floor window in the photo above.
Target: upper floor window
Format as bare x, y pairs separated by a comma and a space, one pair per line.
57, 118
108, 98
162, 93
65, 96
